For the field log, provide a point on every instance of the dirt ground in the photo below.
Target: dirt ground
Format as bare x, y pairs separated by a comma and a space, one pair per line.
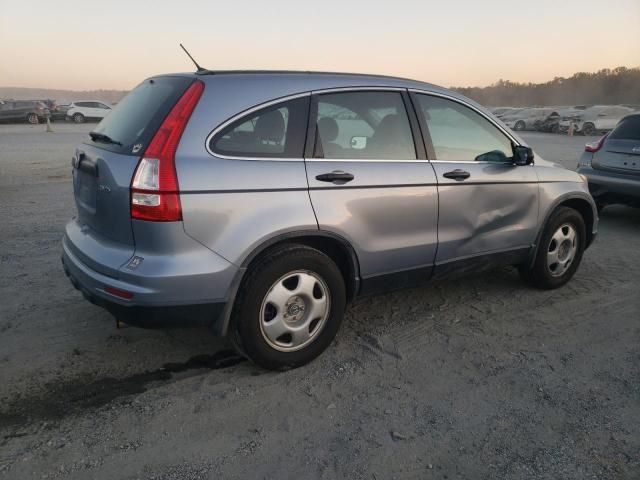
477, 378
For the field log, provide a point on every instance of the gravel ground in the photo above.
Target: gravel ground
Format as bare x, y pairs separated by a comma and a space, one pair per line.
477, 378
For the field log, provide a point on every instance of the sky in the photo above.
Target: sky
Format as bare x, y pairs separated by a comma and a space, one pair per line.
84, 45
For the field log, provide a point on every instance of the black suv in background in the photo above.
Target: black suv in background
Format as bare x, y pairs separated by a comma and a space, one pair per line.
32, 111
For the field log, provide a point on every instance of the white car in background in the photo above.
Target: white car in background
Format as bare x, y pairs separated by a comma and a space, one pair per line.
82, 111
599, 118
527, 118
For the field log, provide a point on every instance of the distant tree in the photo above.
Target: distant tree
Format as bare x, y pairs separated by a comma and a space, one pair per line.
620, 85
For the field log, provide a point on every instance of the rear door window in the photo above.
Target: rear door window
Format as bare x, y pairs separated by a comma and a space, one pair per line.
135, 119
460, 134
277, 131
363, 125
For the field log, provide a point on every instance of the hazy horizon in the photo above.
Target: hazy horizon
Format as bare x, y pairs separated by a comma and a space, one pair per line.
457, 43
41, 87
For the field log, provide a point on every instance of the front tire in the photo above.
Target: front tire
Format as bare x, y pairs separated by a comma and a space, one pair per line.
560, 250
33, 119
78, 118
289, 308
519, 126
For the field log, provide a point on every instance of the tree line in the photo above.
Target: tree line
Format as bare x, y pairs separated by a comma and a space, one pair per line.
608, 86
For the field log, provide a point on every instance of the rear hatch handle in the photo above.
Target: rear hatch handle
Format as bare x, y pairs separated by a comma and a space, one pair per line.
84, 164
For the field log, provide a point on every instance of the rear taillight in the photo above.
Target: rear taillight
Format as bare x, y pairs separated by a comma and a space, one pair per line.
593, 147
155, 193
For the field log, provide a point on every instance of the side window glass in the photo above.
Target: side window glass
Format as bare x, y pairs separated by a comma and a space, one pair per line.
363, 125
460, 134
277, 131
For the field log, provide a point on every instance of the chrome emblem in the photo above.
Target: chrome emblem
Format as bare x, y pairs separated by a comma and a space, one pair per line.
135, 263
104, 188
635, 149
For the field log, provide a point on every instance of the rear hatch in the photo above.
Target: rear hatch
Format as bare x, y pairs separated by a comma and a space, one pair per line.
621, 150
105, 164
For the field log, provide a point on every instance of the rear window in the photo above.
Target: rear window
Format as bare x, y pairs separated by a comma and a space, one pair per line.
137, 116
627, 129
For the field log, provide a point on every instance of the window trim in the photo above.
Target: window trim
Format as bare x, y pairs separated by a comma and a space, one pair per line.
427, 136
418, 142
419, 136
245, 113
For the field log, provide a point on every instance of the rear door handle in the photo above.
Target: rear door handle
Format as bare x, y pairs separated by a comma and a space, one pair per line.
337, 176
457, 174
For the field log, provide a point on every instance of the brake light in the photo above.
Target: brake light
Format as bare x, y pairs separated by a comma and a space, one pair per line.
593, 147
155, 194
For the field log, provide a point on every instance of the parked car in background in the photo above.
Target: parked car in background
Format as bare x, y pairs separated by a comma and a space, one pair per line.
31, 111
612, 164
501, 111
595, 119
299, 192
510, 112
526, 119
82, 111
57, 112
550, 124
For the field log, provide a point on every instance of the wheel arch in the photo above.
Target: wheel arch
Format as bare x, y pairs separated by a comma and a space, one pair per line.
331, 244
583, 204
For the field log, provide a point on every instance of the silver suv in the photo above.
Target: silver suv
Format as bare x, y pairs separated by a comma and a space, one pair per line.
260, 203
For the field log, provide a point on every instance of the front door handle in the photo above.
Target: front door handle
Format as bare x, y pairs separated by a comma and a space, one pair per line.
337, 176
457, 174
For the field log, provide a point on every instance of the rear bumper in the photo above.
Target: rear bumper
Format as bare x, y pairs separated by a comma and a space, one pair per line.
608, 184
173, 316
157, 302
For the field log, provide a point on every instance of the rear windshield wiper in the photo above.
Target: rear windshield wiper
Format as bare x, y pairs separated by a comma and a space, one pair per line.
101, 137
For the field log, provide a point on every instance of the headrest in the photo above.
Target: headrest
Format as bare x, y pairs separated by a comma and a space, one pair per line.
270, 126
328, 129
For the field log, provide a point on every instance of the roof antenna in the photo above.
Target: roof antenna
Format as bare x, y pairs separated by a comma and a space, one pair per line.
200, 69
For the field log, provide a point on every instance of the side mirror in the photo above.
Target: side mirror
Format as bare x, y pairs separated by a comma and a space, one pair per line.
522, 155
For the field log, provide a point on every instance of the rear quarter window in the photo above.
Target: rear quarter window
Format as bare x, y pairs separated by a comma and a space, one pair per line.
135, 119
276, 131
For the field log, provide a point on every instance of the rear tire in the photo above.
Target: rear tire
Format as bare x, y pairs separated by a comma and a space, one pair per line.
519, 126
78, 118
560, 250
33, 119
289, 308
589, 129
